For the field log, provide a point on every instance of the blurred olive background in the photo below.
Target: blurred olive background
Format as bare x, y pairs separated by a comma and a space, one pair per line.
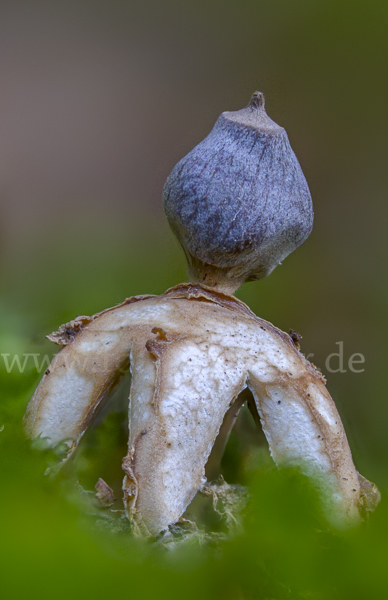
98, 101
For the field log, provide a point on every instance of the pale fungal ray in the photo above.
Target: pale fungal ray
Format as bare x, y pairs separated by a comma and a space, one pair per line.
191, 352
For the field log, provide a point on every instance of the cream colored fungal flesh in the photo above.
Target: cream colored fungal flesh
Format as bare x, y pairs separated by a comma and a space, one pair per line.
191, 352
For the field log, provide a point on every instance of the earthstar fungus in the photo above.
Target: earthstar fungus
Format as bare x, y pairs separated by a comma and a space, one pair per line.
239, 204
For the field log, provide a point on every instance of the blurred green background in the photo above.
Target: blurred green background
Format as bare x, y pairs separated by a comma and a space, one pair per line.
98, 101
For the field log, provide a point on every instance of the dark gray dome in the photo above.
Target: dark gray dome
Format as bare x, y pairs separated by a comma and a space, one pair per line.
239, 202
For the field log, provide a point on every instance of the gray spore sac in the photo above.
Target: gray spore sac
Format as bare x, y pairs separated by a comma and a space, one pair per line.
239, 202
